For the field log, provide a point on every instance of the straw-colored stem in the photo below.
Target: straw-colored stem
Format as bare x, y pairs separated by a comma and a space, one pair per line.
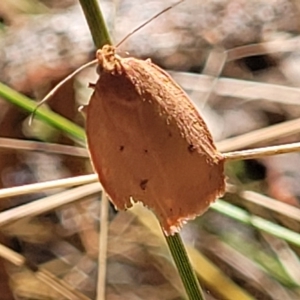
279, 207
44, 186
18, 144
46, 204
102, 256
262, 135
59, 285
261, 152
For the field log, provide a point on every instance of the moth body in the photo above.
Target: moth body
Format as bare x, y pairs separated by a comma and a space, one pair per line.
148, 142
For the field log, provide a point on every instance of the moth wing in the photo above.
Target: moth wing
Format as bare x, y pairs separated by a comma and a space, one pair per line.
142, 153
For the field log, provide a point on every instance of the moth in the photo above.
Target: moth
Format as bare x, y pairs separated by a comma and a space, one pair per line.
148, 143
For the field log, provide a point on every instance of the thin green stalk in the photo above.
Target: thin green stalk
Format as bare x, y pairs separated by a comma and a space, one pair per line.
96, 22
100, 36
184, 267
259, 223
44, 114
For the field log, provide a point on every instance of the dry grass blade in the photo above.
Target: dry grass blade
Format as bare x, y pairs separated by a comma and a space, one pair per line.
280, 45
204, 268
16, 144
43, 186
277, 206
48, 203
215, 277
263, 135
243, 89
49, 279
213, 67
59, 285
286, 255
11, 256
102, 254
249, 270
262, 152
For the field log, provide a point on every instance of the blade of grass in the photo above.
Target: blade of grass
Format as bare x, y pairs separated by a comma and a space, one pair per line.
243, 90
248, 252
262, 152
259, 223
102, 252
271, 204
245, 263
43, 186
215, 277
262, 135
46, 277
17, 144
46, 204
209, 273
287, 258
46, 115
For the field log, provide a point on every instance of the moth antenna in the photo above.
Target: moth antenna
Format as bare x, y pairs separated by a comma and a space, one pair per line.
58, 86
147, 22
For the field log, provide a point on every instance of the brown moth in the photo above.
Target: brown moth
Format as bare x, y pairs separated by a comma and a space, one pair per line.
148, 142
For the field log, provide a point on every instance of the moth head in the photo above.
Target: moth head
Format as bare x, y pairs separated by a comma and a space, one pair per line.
108, 60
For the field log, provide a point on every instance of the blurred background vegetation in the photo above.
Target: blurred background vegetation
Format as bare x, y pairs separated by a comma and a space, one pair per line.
49, 248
